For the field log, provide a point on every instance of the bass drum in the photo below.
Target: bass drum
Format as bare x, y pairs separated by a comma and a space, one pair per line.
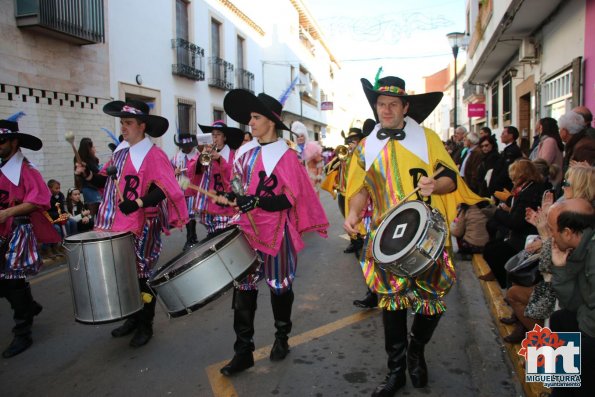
409, 239
102, 269
203, 273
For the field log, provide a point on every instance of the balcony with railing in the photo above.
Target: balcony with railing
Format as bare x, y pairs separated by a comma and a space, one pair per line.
221, 74
75, 21
473, 93
189, 60
246, 80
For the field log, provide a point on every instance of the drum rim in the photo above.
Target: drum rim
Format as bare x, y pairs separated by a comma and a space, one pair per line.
411, 245
77, 238
159, 278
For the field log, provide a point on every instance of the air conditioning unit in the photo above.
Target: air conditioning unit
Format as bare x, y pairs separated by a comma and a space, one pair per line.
527, 51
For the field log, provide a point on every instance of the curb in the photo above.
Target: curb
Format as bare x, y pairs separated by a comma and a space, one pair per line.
499, 308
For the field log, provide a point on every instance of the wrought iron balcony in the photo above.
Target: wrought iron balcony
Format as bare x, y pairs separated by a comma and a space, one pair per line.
246, 80
189, 60
78, 22
221, 74
473, 92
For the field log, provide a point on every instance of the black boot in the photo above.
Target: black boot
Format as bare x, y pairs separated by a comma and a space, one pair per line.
193, 231
244, 305
127, 328
395, 343
351, 248
144, 318
190, 226
282, 312
421, 332
23, 308
370, 301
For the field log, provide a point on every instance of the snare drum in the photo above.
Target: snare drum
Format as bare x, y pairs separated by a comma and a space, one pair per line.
409, 239
103, 279
201, 274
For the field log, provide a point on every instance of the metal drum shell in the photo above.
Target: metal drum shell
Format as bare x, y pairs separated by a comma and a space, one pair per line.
424, 251
103, 278
203, 273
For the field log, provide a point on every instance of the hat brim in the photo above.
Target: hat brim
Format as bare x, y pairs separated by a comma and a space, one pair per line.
233, 136
156, 125
420, 105
26, 141
238, 104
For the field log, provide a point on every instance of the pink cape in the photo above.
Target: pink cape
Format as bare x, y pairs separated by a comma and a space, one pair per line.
31, 189
305, 215
219, 171
156, 168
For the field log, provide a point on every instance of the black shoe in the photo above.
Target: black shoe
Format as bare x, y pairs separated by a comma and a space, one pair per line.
370, 301
188, 245
125, 329
239, 363
36, 308
280, 350
393, 382
350, 248
416, 364
18, 345
142, 336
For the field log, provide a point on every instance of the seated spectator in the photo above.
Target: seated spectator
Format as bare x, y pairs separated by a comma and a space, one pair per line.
572, 224
527, 193
548, 171
59, 217
469, 229
500, 180
579, 182
78, 211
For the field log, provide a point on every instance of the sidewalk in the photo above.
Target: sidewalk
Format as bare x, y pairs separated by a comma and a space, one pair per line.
499, 309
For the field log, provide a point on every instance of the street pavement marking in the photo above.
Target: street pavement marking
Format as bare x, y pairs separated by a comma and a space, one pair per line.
47, 275
222, 385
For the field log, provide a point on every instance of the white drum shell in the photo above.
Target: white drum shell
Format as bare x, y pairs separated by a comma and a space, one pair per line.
103, 278
198, 276
424, 249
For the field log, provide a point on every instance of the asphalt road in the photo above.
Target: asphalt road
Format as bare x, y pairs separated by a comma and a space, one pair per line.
336, 349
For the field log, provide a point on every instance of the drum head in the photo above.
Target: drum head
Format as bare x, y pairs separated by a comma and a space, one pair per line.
93, 235
194, 255
399, 231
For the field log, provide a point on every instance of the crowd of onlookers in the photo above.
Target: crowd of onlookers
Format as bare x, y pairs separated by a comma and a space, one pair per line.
535, 228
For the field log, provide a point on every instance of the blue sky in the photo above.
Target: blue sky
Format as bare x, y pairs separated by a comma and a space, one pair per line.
406, 38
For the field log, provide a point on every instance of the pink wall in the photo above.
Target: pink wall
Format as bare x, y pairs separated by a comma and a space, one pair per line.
589, 89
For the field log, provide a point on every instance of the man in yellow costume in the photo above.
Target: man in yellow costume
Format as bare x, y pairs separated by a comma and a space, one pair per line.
397, 157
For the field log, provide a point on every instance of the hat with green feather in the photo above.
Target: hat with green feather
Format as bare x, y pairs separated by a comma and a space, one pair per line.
420, 105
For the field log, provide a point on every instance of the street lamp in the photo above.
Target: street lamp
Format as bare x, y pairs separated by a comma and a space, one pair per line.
455, 40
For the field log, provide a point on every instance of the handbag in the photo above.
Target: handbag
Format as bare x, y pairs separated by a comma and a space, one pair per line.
523, 269
542, 302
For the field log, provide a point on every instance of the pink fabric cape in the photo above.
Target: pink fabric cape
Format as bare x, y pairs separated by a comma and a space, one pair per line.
305, 215
225, 170
156, 168
31, 189
179, 161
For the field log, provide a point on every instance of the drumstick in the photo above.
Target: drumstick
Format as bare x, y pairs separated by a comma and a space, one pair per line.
236, 186
417, 189
112, 171
185, 183
69, 137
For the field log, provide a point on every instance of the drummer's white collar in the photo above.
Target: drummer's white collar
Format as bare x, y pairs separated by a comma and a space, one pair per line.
192, 154
12, 168
414, 141
225, 153
271, 153
137, 152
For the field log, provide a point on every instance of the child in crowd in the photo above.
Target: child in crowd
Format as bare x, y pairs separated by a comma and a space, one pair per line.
78, 212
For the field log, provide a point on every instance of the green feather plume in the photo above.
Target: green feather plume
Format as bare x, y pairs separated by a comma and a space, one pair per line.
376, 85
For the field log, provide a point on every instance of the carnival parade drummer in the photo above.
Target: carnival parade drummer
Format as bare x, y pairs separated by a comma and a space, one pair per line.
23, 198
144, 178
398, 156
283, 205
216, 176
184, 163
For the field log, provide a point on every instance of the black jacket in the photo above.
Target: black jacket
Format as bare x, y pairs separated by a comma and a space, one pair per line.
500, 179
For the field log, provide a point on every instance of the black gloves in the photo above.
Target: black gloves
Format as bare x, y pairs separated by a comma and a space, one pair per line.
247, 203
128, 206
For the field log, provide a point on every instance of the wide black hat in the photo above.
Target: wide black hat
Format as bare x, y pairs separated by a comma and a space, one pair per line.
233, 136
239, 103
368, 126
156, 125
10, 129
185, 140
420, 105
354, 133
